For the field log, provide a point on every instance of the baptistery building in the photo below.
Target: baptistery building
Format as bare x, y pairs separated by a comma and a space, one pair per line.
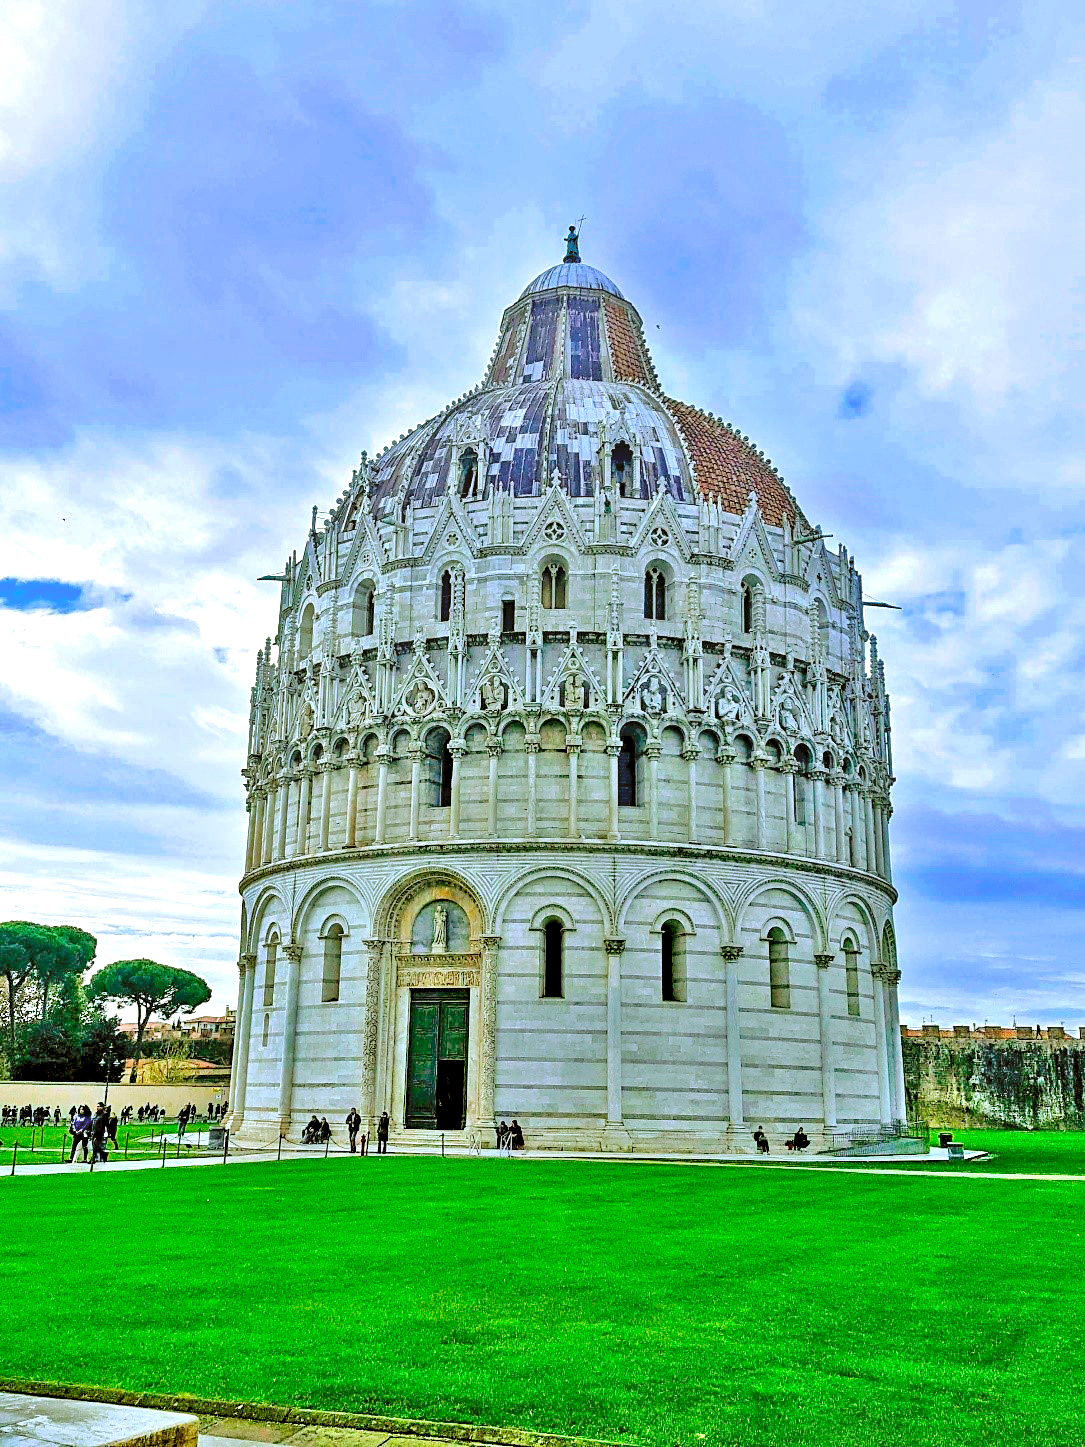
568, 779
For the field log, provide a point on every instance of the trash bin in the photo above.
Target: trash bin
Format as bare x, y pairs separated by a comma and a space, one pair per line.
945, 1138
956, 1151
216, 1137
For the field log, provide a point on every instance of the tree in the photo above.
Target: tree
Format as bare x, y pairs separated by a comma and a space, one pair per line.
44, 955
154, 989
76, 1041
172, 1066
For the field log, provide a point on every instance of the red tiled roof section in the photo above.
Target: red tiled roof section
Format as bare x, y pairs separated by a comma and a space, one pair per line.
727, 468
627, 354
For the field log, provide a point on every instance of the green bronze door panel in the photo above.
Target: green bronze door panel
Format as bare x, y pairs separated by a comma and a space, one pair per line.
422, 1064
438, 1032
452, 1038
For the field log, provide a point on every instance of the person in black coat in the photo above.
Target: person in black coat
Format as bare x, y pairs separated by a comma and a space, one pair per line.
354, 1125
382, 1134
99, 1134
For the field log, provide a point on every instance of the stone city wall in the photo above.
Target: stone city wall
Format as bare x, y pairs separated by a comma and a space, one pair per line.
68, 1093
1001, 1078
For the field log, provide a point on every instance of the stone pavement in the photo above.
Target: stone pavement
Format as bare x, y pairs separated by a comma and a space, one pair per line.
227, 1432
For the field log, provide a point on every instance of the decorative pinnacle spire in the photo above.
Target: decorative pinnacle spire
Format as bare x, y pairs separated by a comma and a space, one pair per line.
572, 245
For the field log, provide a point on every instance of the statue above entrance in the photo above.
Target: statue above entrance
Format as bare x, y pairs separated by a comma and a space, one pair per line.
440, 928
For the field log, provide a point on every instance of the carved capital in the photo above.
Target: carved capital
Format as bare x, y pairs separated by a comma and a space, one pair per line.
613, 944
531, 746
892, 976
691, 752
879, 971
246, 961
823, 961
732, 952
653, 751
293, 953
490, 942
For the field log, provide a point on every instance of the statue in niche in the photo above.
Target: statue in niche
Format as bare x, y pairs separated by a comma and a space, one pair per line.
307, 719
789, 717
652, 699
440, 930
356, 708
493, 693
729, 709
574, 688
836, 728
421, 699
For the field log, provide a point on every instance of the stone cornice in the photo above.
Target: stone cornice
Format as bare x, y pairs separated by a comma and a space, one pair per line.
647, 849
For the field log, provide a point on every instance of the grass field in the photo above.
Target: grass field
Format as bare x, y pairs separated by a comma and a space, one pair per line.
43, 1145
648, 1304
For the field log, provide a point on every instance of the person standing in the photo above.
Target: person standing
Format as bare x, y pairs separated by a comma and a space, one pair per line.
98, 1135
78, 1129
382, 1134
354, 1125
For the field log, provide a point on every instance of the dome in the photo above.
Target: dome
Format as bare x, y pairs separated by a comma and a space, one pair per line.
571, 368
571, 274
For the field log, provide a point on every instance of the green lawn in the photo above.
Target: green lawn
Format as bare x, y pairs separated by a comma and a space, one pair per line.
1011, 1153
648, 1304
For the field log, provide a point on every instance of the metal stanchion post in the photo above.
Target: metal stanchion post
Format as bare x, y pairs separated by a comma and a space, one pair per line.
279, 1154
163, 1150
442, 1145
327, 1147
225, 1145
126, 1135
14, 1152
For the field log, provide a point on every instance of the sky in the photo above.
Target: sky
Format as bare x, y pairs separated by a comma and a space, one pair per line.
242, 241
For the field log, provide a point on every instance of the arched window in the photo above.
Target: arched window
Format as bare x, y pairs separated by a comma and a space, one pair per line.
333, 962
672, 961
747, 608
621, 469
305, 631
779, 971
270, 960
468, 472
851, 974
439, 769
553, 586
655, 594
553, 981
628, 767
362, 614
446, 595
267, 1031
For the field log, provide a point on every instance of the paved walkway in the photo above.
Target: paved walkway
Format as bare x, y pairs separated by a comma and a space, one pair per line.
229, 1431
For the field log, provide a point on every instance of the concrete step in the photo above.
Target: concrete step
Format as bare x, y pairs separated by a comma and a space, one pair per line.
27, 1421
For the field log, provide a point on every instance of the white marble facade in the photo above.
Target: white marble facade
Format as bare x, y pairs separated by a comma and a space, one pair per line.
568, 780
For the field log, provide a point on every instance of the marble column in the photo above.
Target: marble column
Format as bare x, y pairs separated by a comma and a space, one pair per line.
293, 954
896, 1053
374, 952
732, 955
493, 749
350, 834
691, 754
858, 849
532, 749
572, 748
727, 758
758, 766
328, 777
825, 1021
838, 819
415, 756
652, 753
382, 796
240, 1066
250, 841
488, 1055
457, 751
868, 816
789, 773
284, 810
613, 752
301, 837
879, 857
881, 1041
817, 790
270, 820
614, 947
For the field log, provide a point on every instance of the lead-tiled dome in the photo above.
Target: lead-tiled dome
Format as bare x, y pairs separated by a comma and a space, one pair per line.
570, 371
